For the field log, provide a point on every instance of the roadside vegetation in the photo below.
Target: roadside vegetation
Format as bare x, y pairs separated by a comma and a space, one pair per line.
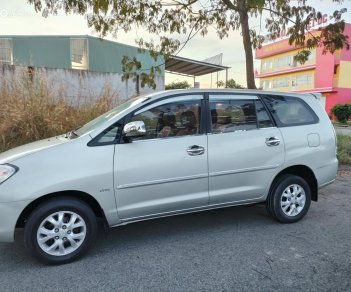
342, 112
30, 110
178, 85
344, 149
231, 83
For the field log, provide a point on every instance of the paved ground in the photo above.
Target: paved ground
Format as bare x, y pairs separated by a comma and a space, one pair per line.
235, 249
344, 131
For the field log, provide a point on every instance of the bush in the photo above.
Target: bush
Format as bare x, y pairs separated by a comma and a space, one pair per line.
342, 112
231, 83
30, 111
344, 149
178, 85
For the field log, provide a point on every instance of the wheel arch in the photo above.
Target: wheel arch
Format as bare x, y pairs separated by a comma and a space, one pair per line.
302, 171
85, 197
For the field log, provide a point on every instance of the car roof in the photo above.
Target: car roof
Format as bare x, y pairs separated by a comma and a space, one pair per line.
164, 93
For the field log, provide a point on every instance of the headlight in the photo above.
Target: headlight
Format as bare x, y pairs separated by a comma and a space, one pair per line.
6, 171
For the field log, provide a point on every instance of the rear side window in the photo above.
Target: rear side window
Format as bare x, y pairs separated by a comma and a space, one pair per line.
290, 111
232, 115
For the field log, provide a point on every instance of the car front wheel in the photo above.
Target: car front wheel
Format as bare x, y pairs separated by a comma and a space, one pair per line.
289, 199
60, 230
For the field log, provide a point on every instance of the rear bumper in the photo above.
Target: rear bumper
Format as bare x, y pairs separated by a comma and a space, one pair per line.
9, 214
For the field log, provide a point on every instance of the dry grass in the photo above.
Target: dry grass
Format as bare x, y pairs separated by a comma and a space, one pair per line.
30, 111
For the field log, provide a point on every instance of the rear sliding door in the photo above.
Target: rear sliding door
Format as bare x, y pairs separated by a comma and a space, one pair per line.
244, 148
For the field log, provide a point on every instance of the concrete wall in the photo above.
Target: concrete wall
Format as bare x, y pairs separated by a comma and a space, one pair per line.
73, 84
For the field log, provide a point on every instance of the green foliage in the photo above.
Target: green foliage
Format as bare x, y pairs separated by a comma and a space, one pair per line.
178, 85
168, 20
231, 83
342, 112
344, 149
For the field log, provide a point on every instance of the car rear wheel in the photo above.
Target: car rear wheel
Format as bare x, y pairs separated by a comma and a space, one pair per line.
289, 199
60, 230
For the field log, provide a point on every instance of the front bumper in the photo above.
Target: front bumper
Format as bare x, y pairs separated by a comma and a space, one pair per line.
9, 214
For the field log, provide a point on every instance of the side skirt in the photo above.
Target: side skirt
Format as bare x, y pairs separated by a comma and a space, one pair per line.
187, 211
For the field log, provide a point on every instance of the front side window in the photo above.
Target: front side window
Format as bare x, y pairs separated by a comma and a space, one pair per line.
110, 135
172, 119
231, 115
290, 111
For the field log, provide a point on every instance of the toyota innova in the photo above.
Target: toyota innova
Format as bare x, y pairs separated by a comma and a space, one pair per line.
164, 154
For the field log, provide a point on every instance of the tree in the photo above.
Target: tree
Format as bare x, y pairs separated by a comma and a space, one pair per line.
178, 85
166, 18
231, 83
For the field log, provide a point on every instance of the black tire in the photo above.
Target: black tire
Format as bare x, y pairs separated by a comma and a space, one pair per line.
277, 197
67, 206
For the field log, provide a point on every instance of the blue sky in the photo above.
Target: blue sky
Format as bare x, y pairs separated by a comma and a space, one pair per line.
18, 17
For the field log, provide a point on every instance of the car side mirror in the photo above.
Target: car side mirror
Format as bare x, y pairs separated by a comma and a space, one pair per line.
134, 129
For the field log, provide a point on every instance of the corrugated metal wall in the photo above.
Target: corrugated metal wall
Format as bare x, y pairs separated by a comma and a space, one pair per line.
54, 52
106, 56
38, 51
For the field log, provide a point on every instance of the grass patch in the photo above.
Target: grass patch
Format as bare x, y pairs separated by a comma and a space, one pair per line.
344, 149
30, 110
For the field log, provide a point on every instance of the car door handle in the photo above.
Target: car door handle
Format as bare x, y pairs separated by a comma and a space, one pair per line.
195, 150
272, 141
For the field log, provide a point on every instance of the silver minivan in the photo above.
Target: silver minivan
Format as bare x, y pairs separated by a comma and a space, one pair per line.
164, 154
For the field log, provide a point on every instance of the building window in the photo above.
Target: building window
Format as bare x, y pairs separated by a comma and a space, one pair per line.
280, 82
6, 51
312, 56
79, 53
283, 61
266, 65
266, 84
303, 80
336, 70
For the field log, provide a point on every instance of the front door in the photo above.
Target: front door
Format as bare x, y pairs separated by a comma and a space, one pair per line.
166, 170
244, 149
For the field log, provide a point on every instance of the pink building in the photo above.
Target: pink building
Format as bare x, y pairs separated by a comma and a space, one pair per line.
327, 74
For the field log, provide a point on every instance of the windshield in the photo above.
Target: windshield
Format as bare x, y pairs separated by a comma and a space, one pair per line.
97, 122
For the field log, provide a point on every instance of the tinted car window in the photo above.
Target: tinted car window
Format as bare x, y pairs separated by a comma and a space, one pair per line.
263, 118
230, 115
290, 111
110, 135
171, 119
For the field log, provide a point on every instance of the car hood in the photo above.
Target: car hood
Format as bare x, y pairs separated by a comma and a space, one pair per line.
24, 150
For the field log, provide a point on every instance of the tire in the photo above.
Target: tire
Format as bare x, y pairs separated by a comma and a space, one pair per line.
289, 199
60, 230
